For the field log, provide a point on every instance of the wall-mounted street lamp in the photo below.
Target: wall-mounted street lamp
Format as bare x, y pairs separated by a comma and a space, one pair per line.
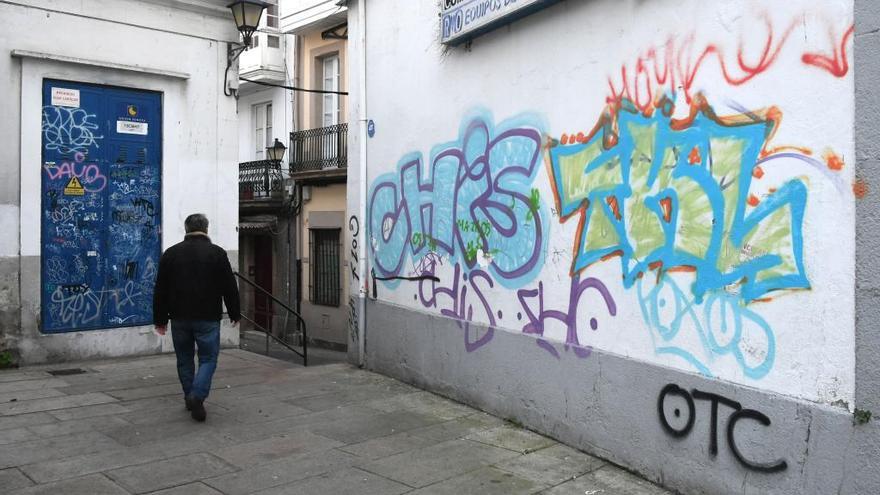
247, 14
276, 151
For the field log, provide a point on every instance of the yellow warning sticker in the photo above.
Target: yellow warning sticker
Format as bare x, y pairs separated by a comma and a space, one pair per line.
74, 188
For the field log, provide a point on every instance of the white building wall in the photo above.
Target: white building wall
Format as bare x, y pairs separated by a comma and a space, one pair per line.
282, 121
547, 81
172, 47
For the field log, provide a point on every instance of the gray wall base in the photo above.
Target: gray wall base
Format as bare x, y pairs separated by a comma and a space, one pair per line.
607, 405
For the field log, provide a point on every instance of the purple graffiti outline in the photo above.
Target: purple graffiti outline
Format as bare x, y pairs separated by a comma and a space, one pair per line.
479, 170
535, 326
459, 302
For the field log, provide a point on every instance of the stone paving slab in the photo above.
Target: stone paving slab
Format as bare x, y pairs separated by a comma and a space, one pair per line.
485, 481
19, 454
282, 472
273, 428
15, 435
95, 484
70, 467
9, 388
512, 438
608, 480
84, 412
29, 406
552, 465
100, 424
263, 451
378, 448
189, 489
21, 420
29, 394
350, 481
168, 473
438, 462
13, 479
17, 376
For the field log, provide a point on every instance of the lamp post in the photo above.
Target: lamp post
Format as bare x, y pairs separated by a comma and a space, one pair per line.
246, 14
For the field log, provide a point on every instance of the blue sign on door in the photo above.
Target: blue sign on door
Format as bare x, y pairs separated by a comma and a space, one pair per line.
101, 206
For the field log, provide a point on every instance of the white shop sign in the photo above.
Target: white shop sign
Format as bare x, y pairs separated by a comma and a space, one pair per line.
461, 20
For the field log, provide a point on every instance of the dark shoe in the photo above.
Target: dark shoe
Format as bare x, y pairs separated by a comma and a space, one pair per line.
188, 403
198, 409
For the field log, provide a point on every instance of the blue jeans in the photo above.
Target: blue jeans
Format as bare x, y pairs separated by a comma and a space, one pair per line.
188, 334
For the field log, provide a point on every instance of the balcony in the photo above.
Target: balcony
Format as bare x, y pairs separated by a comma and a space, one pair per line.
264, 61
320, 154
303, 16
260, 184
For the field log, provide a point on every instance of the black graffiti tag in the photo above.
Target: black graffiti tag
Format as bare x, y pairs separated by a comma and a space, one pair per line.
737, 415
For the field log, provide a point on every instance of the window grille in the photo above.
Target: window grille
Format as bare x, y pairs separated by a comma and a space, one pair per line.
324, 249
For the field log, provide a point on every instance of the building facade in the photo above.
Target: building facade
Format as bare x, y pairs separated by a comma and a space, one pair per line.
109, 147
294, 208
642, 228
265, 113
319, 164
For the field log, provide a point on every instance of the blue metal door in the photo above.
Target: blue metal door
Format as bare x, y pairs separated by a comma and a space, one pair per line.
101, 206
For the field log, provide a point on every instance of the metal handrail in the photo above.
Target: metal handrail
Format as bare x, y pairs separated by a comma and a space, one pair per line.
305, 341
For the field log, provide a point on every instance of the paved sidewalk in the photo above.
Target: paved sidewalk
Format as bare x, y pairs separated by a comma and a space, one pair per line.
273, 428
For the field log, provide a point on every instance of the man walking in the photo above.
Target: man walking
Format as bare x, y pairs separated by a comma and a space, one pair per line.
194, 275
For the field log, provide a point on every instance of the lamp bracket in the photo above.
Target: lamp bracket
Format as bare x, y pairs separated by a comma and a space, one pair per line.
233, 51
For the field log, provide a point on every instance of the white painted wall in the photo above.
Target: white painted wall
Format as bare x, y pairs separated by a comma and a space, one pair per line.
551, 73
282, 120
199, 131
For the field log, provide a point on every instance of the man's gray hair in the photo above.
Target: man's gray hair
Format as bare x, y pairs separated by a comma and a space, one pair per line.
197, 222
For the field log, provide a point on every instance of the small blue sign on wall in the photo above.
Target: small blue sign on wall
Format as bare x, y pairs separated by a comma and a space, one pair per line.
371, 128
101, 206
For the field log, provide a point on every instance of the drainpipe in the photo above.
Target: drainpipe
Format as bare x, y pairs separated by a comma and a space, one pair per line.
362, 182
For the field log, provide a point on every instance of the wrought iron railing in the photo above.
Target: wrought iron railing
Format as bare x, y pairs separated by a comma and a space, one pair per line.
293, 334
319, 149
259, 179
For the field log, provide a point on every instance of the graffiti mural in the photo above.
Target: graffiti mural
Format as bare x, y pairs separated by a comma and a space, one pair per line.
476, 205
101, 218
687, 215
474, 208
668, 196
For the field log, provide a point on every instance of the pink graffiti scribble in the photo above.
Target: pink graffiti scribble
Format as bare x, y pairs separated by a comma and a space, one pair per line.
89, 174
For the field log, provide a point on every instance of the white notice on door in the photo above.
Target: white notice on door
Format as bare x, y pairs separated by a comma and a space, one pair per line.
126, 127
63, 97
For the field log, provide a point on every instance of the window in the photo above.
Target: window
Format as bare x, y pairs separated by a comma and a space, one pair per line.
272, 16
272, 41
330, 106
325, 286
255, 41
262, 130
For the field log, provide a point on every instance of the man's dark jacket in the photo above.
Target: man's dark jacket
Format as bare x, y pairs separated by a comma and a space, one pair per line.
194, 275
